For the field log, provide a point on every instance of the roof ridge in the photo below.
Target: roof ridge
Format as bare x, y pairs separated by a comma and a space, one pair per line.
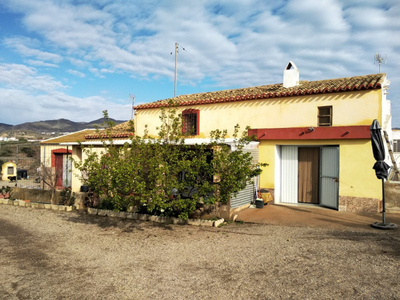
305, 87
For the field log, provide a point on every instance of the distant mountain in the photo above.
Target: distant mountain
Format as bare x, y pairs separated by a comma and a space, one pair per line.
5, 127
60, 125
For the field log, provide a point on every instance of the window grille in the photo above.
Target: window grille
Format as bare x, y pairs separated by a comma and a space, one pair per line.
190, 122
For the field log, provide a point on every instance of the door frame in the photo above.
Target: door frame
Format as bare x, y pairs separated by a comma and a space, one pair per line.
280, 174
332, 179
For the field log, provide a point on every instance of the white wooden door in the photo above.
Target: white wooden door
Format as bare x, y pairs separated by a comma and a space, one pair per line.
289, 174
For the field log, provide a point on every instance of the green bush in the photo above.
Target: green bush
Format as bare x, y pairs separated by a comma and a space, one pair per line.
6, 191
29, 151
67, 197
164, 176
6, 152
107, 204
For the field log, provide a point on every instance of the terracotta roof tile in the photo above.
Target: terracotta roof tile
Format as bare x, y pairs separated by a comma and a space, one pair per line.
78, 136
124, 127
121, 131
365, 82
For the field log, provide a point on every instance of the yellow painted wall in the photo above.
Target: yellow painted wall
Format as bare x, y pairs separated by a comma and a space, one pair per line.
45, 153
79, 156
349, 108
75, 181
356, 176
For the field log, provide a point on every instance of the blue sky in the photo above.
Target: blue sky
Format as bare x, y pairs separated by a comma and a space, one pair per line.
74, 58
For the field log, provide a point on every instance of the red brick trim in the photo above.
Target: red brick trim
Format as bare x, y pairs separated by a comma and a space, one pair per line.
58, 151
105, 136
312, 133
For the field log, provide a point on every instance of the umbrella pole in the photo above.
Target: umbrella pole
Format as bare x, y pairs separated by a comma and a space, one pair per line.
383, 202
384, 225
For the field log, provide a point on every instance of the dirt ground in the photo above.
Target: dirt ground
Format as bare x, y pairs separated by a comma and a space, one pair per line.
48, 254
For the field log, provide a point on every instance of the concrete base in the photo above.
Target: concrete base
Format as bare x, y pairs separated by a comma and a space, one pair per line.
385, 226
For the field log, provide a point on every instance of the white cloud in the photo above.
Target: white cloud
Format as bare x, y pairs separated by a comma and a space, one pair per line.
325, 15
20, 106
18, 43
76, 73
21, 76
78, 62
96, 72
41, 63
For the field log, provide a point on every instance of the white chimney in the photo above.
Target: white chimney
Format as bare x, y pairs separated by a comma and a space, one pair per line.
290, 75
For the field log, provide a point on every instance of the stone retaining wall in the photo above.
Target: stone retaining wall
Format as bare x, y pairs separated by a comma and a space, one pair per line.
42, 205
39, 195
114, 214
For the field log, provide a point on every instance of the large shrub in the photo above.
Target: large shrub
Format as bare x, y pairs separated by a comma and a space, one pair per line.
165, 176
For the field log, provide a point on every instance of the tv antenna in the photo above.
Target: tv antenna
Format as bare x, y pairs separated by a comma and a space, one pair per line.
133, 101
380, 60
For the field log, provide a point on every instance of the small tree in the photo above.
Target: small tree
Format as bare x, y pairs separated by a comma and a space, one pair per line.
234, 169
49, 176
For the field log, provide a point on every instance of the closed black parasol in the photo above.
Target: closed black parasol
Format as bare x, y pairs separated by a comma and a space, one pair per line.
381, 170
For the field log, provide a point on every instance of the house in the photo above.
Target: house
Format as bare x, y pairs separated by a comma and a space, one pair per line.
8, 171
57, 152
396, 145
314, 135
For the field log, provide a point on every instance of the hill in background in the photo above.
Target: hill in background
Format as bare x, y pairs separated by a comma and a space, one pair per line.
50, 127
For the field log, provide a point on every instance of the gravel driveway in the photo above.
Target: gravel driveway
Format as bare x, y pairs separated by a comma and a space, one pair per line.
71, 255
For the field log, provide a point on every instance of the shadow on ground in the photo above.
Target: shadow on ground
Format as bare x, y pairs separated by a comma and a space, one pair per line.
126, 225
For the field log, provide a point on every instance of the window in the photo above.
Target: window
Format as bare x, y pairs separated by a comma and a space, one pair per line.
190, 119
10, 171
325, 116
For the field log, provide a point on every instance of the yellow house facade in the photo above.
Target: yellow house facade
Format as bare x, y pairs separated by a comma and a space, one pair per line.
314, 135
58, 153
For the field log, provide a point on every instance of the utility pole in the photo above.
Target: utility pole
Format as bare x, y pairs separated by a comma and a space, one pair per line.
16, 178
176, 54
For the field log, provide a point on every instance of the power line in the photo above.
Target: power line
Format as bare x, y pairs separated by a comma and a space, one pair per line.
189, 70
208, 68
